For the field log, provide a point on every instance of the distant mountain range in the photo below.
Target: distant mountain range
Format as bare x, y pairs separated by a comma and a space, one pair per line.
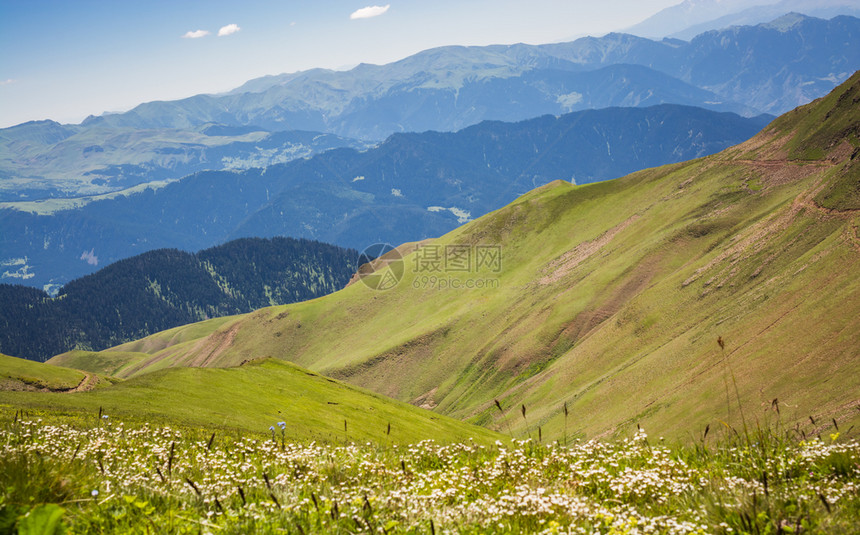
748, 70
451, 87
693, 17
410, 187
165, 288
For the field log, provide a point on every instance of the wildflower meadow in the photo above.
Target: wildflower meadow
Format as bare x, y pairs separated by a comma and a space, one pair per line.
117, 478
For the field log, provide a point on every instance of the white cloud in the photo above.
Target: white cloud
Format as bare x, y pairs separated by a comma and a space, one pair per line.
228, 30
90, 257
462, 215
195, 34
369, 11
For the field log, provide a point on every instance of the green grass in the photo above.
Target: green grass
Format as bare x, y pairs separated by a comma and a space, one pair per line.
843, 192
18, 373
114, 363
119, 478
660, 264
816, 129
718, 295
246, 399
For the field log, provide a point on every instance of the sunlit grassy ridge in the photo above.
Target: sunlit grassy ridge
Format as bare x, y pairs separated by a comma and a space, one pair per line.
114, 478
134, 355
611, 299
250, 398
20, 374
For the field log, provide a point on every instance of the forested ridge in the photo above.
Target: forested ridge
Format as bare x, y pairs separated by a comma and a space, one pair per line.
160, 289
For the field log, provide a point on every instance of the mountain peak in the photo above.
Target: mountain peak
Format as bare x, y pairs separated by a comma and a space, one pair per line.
787, 21
823, 128
688, 13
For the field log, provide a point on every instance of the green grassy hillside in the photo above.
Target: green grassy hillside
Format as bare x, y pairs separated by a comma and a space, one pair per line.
21, 374
610, 300
252, 398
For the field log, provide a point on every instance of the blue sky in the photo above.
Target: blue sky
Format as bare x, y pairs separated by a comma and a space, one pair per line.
64, 60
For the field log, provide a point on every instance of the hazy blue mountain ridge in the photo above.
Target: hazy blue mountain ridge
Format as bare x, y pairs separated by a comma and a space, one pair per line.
693, 17
319, 99
769, 68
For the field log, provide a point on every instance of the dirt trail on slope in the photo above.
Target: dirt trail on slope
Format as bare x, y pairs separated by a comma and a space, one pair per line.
211, 347
759, 235
89, 382
566, 263
204, 351
780, 172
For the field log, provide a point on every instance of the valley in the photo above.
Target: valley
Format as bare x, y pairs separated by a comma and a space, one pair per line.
607, 284
613, 287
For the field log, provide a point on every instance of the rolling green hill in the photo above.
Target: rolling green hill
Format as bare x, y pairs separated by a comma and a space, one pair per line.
249, 398
609, 299
25, 375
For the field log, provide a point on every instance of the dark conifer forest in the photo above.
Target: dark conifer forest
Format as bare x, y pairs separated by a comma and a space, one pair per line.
165, 288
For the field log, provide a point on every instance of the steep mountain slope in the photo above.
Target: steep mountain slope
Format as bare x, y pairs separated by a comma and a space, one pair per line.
165, 288
609, 299
411, 187
821, 50
251, 398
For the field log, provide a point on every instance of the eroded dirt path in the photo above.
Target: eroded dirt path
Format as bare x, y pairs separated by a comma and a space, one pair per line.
211, 347
87, 383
